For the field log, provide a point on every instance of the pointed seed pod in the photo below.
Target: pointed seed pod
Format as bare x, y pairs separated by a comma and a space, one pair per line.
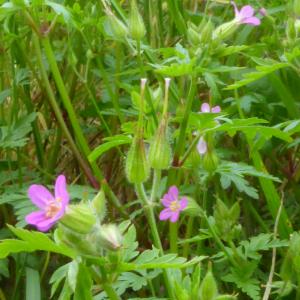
210, 161
160, 152
118, 28
137, 168
136, 24
109, 237
208, 288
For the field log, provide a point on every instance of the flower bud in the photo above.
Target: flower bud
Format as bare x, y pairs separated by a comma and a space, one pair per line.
118, 28
81, 243
225, 30
210, 161
98, 205
208, 288
291, 30
109, 237
206, 32
79, 218
160, 152
297, 7
137, 168
136, 24
193, 34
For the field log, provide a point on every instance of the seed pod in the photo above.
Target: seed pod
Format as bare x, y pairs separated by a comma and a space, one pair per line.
208, 288
160, 152
136, 24
79, 218
137, 168
210, 161
118, 28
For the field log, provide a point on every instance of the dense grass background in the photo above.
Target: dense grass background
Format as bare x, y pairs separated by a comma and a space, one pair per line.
69, 103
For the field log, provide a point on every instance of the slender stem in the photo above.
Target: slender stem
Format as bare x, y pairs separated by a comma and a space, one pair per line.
189, 230
173, 234
155, 185
58, 114
45, 266
154, 231
110, 292
183, 126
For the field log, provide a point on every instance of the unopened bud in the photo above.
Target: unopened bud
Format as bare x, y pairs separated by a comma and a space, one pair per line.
160, 152
206, 33
79, 218
210, 161
208, 288
193, 34
110, 237
98, 205
225, 30
118, 28
137, 168
136, 24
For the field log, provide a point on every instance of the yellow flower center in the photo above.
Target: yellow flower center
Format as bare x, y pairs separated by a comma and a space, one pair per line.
175, 206
53, 208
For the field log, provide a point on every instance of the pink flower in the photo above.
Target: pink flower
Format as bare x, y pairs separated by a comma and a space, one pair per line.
51, 208
173, 205
245, 15
263, 11
205, 108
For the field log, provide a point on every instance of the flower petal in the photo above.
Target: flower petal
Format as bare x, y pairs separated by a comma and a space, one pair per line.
251, 21
166, 200
205, 108
173, 193
202, 146
45, 226
183, 203
39, 195
216, 109
165, 214
246, 11
61, 190
174, 217
236, 11
35, 217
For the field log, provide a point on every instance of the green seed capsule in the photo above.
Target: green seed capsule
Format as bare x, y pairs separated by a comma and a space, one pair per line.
79, 218
109, 237
208, 288
160, 153
137, 168
210, 161
118, 28
136, 24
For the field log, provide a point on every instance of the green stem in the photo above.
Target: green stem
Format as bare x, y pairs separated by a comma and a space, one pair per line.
110, 292
58, 114
154, 231
173, 234
189, 230
155, 185
183, 126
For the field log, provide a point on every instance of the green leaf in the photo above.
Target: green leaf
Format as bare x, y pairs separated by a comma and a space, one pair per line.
15, 135
31, 241
261, 71
83, 289
112, 143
